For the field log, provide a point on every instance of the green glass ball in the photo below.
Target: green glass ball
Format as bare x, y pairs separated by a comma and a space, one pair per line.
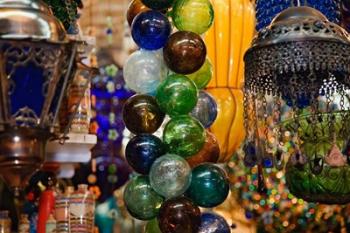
158, 4
141, 200
193, 15
202, 77
184, 136
209, 186
177, 95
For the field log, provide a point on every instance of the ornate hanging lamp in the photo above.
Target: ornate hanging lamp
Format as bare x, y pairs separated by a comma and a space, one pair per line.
297, 88
35, 63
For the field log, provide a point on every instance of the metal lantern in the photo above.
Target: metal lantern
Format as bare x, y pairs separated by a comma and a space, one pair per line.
297, 102
35, 63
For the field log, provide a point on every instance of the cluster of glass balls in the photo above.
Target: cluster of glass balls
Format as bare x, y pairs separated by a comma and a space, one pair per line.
176, 174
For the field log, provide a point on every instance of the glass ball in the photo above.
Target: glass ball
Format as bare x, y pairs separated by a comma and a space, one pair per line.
144, 70
185, 52
170, 175
213, 223
193, 15
142, 150
135, 7
202, 76
158, 4
177, 95
141, 200
184, 136
209, 186
206, 109
141, 114
209, 153
150, 30
179, 215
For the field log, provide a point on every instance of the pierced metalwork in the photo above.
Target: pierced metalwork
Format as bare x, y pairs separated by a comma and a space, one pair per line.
297, 103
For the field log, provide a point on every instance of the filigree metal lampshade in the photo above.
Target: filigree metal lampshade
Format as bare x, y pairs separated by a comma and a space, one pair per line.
35, 63
297, 103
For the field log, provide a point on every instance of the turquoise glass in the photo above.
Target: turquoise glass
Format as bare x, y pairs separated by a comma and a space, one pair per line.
209, 186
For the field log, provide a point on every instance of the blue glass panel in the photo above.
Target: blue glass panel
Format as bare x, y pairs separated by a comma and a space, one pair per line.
266, 10
27, 88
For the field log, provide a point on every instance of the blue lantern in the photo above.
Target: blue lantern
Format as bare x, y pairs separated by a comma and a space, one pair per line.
36, 59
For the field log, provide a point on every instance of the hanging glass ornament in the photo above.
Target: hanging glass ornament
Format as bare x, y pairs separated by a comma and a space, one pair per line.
206, 109
179, 215
297, 102
202, 76
209, 186
142, 114
193, 15
213, 223
142, 150
210, 152
185, 52
151, 70
150, 30
184, 136
141, 200
135, 7
170, 175
177, 95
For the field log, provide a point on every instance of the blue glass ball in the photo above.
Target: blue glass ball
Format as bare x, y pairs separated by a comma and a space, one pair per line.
206, 109
142, 151
213, 223
150, 30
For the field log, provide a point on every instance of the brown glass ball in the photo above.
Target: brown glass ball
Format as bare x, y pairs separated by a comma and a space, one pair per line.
208, 154
135, 7
142, 114
179, 215
185, 52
